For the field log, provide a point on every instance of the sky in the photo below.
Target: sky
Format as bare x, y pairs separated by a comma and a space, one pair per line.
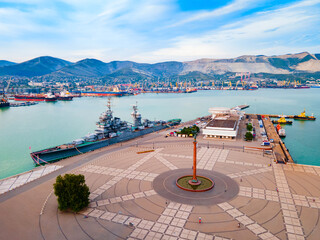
156, 30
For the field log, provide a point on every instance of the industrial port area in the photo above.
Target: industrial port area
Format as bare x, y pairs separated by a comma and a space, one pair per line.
258, 191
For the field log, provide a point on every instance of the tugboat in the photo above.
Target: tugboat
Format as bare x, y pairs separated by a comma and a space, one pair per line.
50, 97
4, 102
281, 131
303, 116
110, 130
65, 96
281, 120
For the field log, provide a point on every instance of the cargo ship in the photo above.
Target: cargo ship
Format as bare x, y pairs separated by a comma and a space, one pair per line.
35, 97
303, 116
29, 97
110, 130
103, 94
115, 92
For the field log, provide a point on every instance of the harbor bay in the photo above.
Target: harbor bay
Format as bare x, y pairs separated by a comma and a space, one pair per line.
49, 124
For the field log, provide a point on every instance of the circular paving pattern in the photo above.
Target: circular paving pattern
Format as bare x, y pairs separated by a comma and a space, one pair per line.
224, 189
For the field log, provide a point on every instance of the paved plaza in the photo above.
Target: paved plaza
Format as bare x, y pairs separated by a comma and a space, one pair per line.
254, 198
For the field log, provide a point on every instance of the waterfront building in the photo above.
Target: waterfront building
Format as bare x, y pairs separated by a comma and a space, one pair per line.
224, 123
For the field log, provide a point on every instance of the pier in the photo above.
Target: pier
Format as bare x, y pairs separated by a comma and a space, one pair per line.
288, 116
241, 107
280, 150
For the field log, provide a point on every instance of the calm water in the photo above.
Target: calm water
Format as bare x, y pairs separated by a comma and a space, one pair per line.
49, 124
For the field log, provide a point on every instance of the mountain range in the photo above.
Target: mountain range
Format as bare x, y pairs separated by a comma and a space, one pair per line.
127, 70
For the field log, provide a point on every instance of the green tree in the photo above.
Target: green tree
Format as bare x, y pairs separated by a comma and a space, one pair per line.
249, 136
249, 127
189, 130
72, 192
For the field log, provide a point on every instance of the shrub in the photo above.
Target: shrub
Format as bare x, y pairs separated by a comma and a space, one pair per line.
72, 192
249, 127
249, 136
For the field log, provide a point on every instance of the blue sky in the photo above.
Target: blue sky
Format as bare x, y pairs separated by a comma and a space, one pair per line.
156, 30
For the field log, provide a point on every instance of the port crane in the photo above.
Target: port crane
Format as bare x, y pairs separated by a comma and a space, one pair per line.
7, 88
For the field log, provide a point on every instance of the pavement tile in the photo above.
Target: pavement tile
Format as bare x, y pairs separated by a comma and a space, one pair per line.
268, 236
159, 227
173, 231
145, 224
178, 222
169, 212
182, 215
139, 233
153, 235
256, 228
173, 205
244, 220
86, 211
168, 237
108, 216
203, 236
120, 218
225, 206
188, 234
165, 219
96, 213
135, 221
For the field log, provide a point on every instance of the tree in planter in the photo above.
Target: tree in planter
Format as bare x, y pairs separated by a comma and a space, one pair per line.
249, 127
249, 136
72, 192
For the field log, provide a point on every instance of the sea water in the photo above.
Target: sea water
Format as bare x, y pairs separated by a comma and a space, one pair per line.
49, 124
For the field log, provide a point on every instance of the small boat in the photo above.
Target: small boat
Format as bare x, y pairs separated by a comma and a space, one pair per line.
65, 96
281, 120
281, 131
4, 102
303, 116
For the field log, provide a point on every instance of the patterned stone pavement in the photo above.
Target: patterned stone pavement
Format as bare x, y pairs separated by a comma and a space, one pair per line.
274, 201
267, 206
11, 183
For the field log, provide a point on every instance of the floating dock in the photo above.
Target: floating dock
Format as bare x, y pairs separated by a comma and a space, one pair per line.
22, 104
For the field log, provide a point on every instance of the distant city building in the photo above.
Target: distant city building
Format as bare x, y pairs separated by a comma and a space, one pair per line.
38, 84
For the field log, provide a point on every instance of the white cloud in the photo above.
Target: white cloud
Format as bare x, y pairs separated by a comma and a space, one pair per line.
144, 30
235, 6
258, 34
